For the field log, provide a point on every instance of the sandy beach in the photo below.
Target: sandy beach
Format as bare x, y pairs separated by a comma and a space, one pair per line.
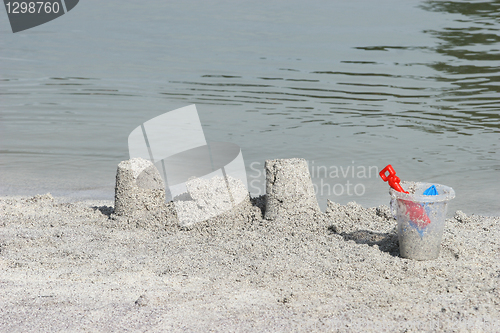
75, 266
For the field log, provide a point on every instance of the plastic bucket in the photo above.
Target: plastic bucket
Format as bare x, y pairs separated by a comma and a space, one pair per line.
421, 219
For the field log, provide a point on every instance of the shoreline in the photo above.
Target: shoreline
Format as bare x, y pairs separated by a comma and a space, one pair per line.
337, 270
107, 194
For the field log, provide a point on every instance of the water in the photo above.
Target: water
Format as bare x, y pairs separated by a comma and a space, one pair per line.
349, 86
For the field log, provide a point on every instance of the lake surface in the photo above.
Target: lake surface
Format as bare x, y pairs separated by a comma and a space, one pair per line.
349, 86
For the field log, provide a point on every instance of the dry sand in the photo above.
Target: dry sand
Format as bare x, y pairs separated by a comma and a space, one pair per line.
76, 267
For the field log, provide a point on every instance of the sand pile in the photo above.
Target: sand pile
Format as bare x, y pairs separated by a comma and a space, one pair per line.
79, 267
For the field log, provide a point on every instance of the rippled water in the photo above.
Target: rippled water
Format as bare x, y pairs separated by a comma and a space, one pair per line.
348, 86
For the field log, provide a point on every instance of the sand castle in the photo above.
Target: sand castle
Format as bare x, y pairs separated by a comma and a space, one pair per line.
289, 188
140, 189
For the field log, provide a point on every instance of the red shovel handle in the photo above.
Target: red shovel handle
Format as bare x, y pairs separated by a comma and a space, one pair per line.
414, 210
391, 178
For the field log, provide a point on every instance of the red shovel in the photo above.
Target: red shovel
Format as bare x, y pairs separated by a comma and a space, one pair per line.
414, 210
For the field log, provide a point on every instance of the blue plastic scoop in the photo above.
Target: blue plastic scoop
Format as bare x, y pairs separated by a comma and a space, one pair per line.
431, 191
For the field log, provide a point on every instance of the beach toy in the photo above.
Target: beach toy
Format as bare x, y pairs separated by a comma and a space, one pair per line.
391, 178
415, 211
431, 191
420, 215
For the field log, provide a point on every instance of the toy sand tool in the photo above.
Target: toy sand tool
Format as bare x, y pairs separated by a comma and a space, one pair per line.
420, 215
414, 210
